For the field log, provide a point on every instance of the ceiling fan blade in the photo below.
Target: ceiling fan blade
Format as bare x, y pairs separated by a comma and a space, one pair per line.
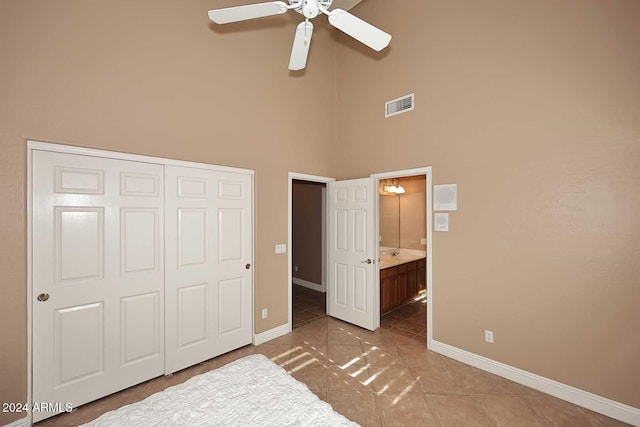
360, 30
250, 11
301, 43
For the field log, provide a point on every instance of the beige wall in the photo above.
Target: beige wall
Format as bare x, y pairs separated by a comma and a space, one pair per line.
156, 78
533, 109
307, 231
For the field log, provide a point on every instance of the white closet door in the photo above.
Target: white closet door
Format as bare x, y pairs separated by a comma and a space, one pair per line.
98, 256
209, 279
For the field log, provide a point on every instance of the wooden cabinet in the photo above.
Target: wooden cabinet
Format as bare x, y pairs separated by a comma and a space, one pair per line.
388, 288
401, 283
421, 281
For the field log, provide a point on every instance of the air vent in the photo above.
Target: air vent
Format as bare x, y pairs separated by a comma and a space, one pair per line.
400, 105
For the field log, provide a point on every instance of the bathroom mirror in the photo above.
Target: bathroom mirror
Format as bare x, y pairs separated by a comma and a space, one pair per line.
389, 221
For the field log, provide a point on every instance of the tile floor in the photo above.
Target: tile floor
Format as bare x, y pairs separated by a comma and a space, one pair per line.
382, 378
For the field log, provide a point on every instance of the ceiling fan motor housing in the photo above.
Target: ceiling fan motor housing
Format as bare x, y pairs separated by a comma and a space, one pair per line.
311, 8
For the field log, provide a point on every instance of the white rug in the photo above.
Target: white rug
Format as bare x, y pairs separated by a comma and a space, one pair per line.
252, 391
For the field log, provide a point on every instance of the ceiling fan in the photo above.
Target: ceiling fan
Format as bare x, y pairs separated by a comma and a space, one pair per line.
360, 30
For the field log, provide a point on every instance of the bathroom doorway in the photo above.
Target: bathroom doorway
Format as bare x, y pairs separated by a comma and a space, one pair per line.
426, 172
307, 255
403, 237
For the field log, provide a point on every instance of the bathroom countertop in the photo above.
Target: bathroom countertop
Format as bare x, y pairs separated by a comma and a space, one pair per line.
386, 260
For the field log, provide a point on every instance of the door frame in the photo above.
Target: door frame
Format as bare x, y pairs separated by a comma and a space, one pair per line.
428, 172
311, 178
31, 146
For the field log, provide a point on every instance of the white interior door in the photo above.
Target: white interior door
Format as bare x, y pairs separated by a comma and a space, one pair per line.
352, 295
98, 301
209, 279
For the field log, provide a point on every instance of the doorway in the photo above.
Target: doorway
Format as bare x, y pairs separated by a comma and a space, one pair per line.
307, 243
427, 173
308, 246
402, 237
419, 308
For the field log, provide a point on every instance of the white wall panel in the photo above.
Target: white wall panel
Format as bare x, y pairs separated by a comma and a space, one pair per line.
230, 227
192, 315
139, 239
192, 187
342, 284
360, 231
140, 323
79, 342
192, 234
230, 305
360, 288
78, 180
138, 184
360, 194
230, 190
341, 230
79, 243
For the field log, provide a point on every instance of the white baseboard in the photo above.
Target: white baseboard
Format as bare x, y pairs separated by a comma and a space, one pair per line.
22, 422
311, 285
591, 401
271, 334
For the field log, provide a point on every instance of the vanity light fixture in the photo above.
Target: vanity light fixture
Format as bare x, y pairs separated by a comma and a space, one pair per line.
393, 187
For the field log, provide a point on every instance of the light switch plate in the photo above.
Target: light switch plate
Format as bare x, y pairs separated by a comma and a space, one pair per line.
281, 248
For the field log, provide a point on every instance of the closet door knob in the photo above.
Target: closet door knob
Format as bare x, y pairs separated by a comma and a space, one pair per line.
248, 266
43, 297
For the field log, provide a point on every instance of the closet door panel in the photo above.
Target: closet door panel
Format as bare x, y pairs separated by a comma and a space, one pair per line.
234, 264
97, 276
208, 272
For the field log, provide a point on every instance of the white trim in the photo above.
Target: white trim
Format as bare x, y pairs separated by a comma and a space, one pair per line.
69, 149
401, 173
271, 334
310, 285
291, 177
323, 232
562, 391
22, 422
428, 172
29, 283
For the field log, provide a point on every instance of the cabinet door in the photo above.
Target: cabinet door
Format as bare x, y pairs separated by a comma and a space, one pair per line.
421, 278
388, 293
402, 288
384, 293
412, 284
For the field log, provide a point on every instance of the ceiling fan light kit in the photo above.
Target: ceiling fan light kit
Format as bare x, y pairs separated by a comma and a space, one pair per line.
351, 25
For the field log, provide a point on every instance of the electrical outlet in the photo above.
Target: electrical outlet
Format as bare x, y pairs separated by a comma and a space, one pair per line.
423, 240
295, 268
264, 313
488, 336
281, 248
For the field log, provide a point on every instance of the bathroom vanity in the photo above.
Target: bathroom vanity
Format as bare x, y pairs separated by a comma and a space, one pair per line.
402, 278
